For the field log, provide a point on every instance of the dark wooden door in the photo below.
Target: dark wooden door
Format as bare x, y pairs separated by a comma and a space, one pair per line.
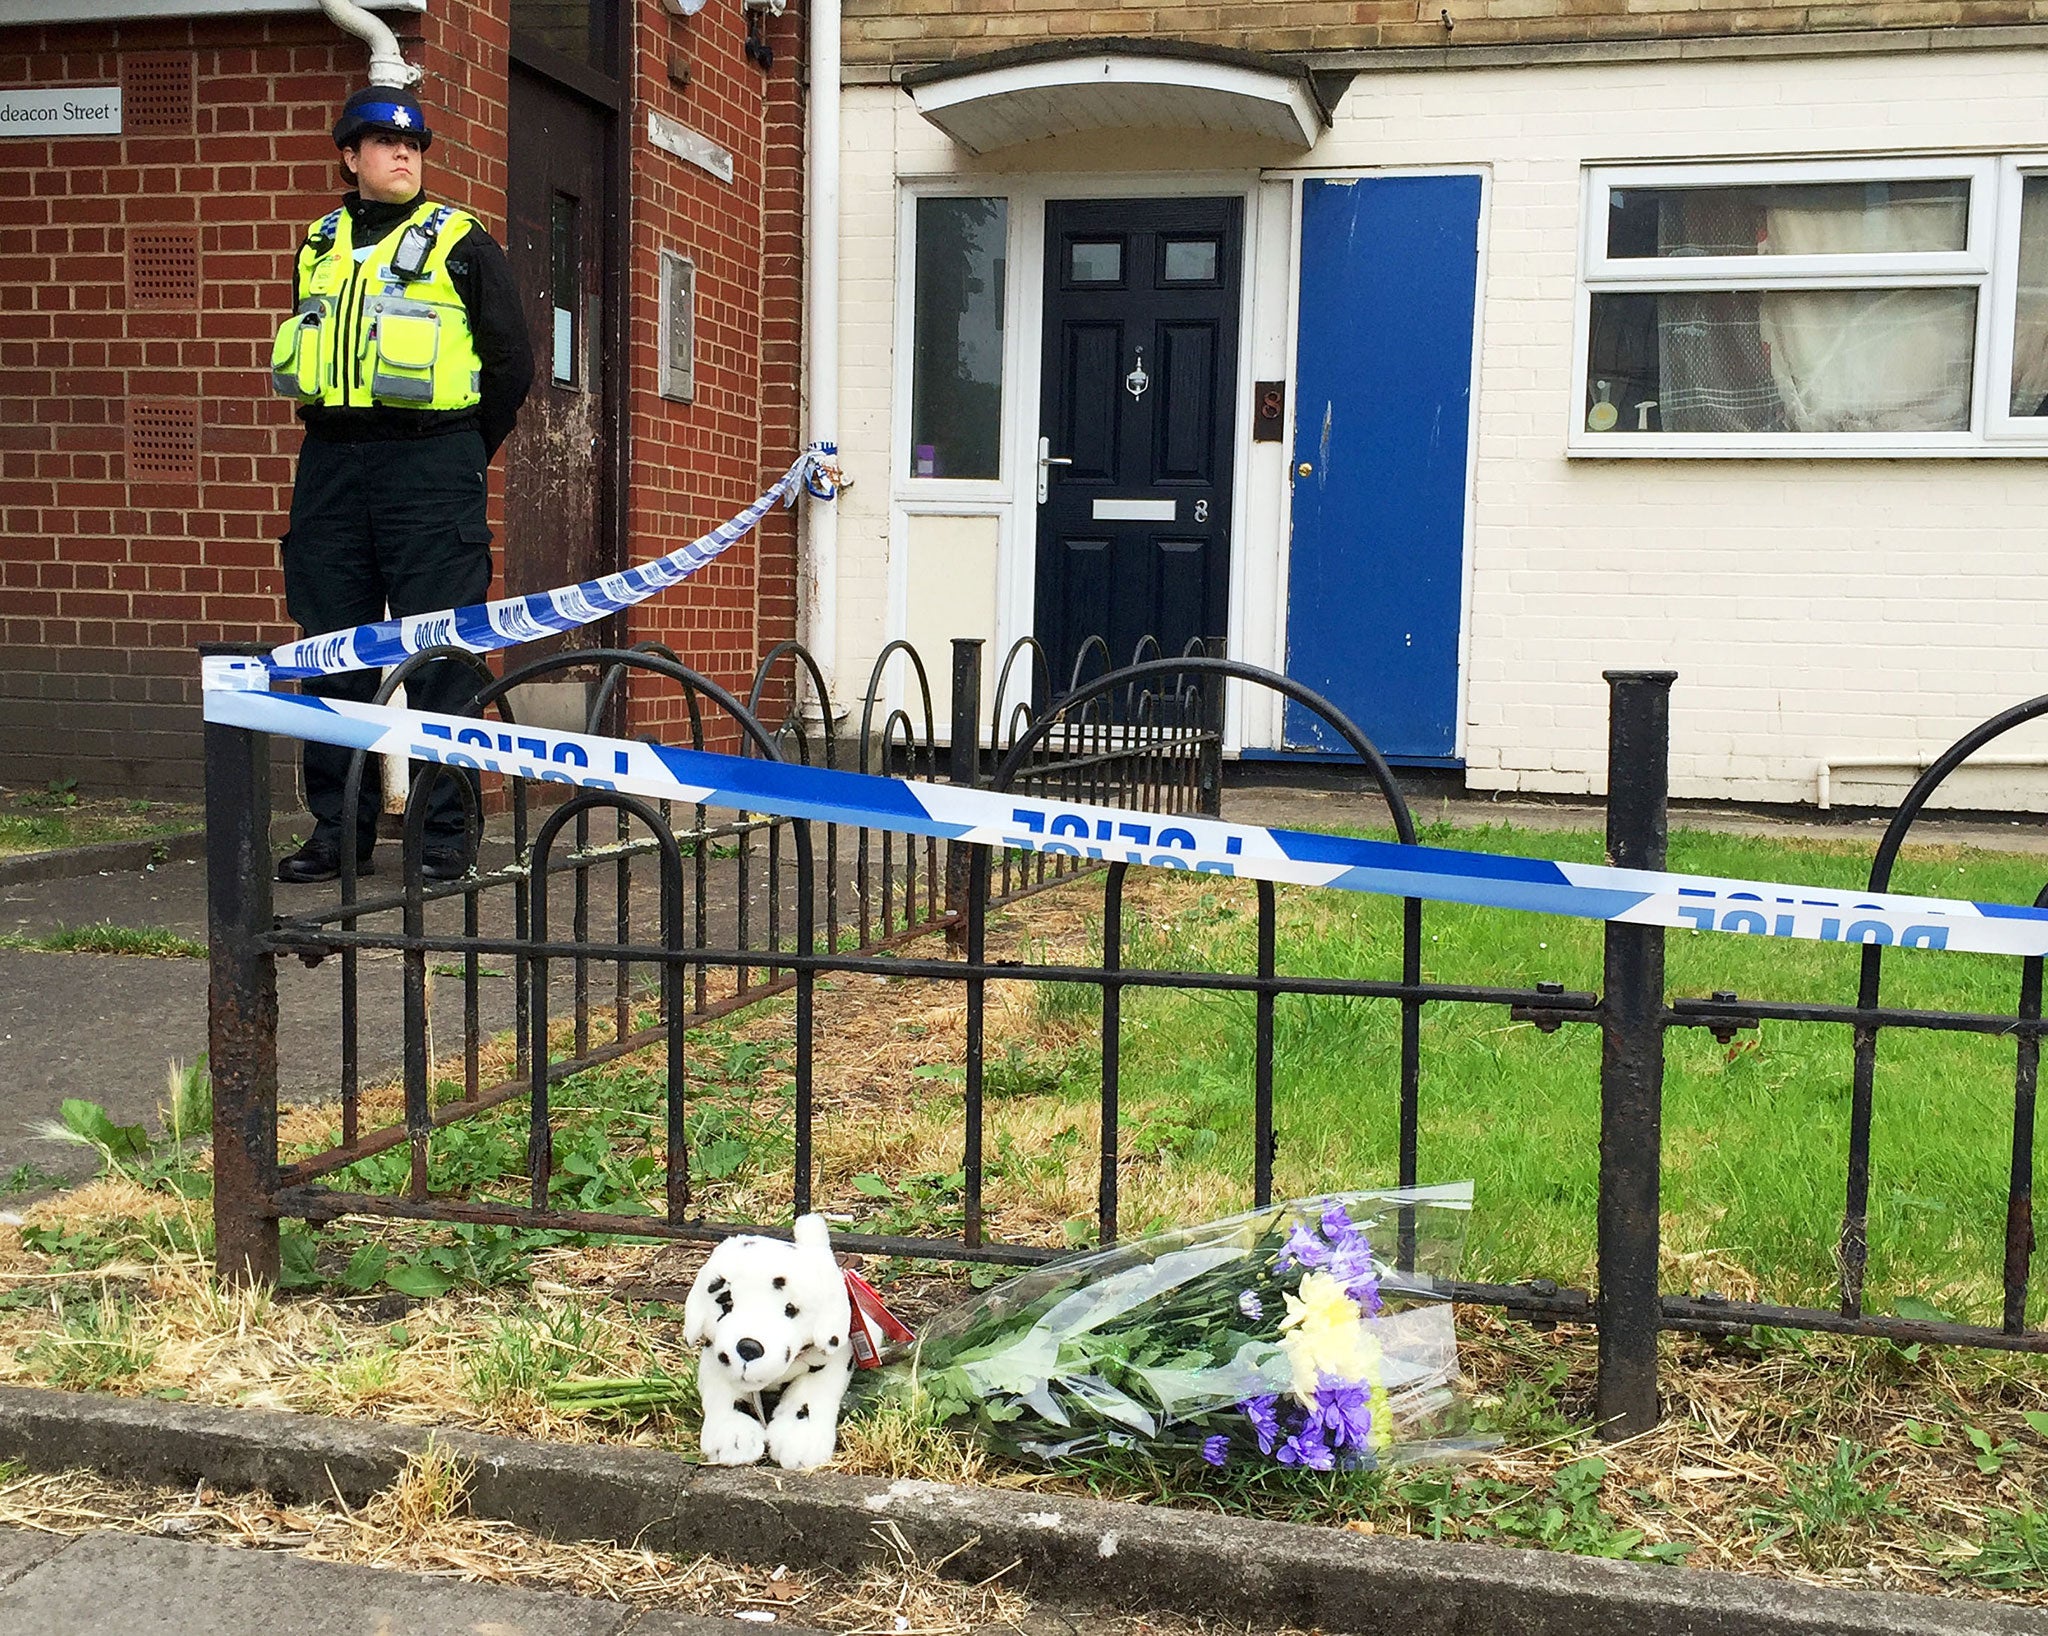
555, 461
1139, 395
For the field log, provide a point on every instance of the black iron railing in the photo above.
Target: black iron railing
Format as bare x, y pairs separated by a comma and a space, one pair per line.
750, 906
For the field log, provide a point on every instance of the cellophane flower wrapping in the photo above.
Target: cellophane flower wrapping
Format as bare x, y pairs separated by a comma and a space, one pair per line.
1311, 1334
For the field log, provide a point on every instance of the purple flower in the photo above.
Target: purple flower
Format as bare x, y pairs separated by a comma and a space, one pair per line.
1343, 1409
1265, 1423
1250, 1305
1306, 1448
1216, 1450
1336, 1221
1303, 1249
1352, 1265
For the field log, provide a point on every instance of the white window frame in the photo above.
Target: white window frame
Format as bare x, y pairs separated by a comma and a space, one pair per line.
2010, 433
973, 492
1988, 265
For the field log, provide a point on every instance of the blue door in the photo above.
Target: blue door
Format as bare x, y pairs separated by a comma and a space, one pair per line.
1389, 271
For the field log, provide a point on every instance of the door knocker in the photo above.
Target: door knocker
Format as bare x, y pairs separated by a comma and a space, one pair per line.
1137, 380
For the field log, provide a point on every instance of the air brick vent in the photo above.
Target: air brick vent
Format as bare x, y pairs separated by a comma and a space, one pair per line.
157, 93
163, 440
163, 268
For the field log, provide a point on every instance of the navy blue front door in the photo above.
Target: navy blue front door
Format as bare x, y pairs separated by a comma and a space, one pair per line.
1140, 376
1389, 268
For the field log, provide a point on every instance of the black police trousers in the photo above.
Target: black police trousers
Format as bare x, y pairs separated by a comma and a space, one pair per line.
376, 526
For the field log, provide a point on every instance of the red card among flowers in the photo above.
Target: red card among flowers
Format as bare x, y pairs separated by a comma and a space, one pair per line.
874, 1325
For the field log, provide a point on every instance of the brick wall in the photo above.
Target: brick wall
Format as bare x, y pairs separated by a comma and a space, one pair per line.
696, 464
920, 31
145, 466
113, 565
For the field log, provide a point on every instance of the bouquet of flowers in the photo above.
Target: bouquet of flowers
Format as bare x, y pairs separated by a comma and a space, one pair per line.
1285, 1335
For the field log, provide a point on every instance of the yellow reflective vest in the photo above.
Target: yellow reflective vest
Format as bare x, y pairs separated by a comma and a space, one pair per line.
385, 328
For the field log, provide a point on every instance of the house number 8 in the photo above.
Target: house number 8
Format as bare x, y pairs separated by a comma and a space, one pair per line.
1201, 511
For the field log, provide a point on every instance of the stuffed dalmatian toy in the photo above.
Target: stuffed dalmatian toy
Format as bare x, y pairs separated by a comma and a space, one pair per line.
772, 1322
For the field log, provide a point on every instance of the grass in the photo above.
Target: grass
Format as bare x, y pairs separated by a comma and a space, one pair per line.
1755, 1131
1839, 1462
152, 942
57, 817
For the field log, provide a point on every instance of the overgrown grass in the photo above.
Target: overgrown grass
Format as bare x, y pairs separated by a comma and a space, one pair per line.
57, 816
154, 942
1756, 1132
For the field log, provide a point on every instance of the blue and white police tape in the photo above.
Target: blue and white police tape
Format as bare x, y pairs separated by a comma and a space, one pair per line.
1116, 835
488, 626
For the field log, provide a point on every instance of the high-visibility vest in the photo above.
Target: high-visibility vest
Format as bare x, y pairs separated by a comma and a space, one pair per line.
384, 329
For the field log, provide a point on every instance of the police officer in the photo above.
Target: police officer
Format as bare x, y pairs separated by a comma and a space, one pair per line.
408, 356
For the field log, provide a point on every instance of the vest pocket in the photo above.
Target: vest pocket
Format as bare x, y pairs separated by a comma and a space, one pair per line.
295, 356
407, 336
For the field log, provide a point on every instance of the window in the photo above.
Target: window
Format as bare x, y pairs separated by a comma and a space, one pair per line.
565, 258
1095, 261
1849, 308
956, 364
1188, 261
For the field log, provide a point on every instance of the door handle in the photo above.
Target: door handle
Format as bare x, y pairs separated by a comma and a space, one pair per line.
1046, 461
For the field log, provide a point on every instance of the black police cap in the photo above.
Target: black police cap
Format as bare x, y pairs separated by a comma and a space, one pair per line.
381, 108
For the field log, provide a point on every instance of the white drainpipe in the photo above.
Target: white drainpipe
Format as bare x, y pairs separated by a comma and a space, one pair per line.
387, 66
818, 582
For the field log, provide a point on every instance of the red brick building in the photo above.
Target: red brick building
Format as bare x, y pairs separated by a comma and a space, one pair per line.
617, 149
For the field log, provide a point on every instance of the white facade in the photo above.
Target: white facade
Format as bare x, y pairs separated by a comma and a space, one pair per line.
1823, 611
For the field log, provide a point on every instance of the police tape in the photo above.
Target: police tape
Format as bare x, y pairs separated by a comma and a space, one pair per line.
488, 626
236, 695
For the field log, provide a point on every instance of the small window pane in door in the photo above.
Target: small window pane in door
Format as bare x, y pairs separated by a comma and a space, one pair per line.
956, 367
1189, 261
1096, 261
564, 246
579, 29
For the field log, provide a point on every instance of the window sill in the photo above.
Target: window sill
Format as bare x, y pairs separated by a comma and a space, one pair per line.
1805, 449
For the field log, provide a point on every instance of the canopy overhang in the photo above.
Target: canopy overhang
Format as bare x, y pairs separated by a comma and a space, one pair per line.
1009, 97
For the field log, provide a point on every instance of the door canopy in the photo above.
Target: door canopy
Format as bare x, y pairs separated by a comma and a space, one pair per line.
1055, 89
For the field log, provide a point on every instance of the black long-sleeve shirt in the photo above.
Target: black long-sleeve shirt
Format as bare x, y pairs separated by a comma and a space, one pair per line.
483, 279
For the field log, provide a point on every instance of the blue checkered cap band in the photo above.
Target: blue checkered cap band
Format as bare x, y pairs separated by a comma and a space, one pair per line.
381, 108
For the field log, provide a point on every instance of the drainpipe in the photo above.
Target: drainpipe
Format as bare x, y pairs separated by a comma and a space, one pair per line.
387, 65
818, 588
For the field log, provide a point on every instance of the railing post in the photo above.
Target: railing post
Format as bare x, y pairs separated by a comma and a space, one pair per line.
1632, 1060
1211, 769
241, 998
964, 767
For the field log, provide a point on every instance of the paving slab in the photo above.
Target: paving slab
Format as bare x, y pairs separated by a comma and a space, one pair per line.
22, 1548
135, 1585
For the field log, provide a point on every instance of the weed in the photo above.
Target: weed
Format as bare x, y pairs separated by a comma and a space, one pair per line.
433, 1487
95, 1346
520, 1358
2014, 1552
153, 942
29, 1178
1827, 1507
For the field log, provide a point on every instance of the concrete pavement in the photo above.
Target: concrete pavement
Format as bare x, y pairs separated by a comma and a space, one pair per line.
117, 1584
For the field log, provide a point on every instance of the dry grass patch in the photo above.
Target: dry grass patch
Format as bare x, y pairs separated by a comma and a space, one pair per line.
423, 1523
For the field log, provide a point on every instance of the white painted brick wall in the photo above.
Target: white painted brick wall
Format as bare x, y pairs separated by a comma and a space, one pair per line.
1812, 608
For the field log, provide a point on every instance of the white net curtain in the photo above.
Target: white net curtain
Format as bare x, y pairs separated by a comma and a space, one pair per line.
1817, 360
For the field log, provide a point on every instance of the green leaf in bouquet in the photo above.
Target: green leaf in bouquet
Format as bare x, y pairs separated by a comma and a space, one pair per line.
1100, 1398
1122, 1293
1201, 1385
1015, 1365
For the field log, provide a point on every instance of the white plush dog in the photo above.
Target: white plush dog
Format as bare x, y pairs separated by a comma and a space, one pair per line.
772, 1320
